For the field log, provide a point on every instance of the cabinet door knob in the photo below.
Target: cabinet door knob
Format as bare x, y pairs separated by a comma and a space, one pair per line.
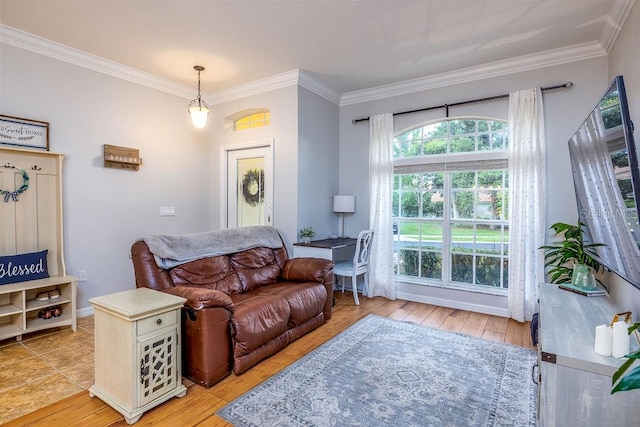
159, 321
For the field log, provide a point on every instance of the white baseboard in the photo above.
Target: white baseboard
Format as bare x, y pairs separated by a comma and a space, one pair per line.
84, 312
460, 305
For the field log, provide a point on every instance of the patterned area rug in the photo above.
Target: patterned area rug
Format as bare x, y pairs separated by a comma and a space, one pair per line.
383, 372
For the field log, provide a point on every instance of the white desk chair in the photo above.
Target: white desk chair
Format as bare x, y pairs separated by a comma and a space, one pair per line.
359, 265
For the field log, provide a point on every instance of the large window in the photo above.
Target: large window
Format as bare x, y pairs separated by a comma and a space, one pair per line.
450, 204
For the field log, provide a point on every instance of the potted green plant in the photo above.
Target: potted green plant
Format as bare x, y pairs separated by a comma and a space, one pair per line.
570, 253
630, 381
307, 234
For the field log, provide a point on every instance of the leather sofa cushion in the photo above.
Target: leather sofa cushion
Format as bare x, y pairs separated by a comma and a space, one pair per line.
255, 267
306, 300
213, 273
256, 320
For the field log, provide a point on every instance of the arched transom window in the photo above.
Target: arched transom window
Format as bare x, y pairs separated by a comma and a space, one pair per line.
252, 118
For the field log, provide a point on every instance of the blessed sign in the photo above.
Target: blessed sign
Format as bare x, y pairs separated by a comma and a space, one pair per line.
23, 267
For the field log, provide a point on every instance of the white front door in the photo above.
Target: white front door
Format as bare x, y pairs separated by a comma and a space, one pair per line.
249, 186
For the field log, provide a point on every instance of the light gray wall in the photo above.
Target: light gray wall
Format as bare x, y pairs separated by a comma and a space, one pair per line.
105, 210
624, 60
318, 157
564, 112
283, 105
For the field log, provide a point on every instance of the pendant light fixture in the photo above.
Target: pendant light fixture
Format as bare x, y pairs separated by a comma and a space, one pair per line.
198, 108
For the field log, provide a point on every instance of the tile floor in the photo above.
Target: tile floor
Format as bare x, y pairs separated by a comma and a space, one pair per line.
45, 367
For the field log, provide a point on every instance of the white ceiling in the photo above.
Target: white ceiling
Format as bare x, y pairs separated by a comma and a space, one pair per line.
348, 45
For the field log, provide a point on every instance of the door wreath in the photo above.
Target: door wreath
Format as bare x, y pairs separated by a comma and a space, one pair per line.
13, 195
253, 186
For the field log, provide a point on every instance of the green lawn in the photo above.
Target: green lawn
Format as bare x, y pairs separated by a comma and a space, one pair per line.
433, 232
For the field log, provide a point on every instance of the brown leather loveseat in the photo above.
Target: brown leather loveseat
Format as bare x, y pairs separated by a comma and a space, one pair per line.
246, 299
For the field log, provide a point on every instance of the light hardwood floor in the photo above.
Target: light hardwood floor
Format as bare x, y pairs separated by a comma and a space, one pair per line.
198, 407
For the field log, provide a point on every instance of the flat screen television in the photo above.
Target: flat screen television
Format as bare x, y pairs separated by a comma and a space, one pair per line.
606, 176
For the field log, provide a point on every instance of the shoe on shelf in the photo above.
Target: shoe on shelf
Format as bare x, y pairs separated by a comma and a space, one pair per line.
44, 296
54, 294
56, 311
45, 313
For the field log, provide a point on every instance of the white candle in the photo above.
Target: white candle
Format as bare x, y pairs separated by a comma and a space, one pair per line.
603, 340
620, 339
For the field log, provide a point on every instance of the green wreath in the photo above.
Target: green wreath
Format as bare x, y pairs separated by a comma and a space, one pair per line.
13, 195
253, 186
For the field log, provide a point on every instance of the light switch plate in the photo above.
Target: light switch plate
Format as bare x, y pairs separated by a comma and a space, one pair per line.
167, 211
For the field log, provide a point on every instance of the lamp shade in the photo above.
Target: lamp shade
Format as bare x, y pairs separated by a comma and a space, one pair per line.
198, 116
344, 204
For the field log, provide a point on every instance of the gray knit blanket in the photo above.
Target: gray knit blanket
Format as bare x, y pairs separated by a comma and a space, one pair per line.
172, 250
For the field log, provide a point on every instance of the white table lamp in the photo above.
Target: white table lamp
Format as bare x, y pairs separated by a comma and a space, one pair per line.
341, 206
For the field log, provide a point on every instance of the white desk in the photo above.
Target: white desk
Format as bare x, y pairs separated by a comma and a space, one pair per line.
331, 249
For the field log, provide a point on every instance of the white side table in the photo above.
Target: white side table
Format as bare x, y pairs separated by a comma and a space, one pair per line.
137, 350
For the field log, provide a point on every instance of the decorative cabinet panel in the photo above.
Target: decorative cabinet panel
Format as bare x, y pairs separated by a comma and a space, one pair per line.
137, 350
157, 365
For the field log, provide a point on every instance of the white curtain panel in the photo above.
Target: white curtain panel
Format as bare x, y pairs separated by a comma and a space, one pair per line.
527, 226
381, 274
597, 180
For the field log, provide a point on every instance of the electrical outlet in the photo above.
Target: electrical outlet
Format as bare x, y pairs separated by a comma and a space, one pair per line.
82, 275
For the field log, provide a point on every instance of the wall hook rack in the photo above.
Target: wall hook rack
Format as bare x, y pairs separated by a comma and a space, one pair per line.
121, 157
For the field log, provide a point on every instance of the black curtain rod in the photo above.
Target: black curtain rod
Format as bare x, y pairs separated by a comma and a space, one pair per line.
455, 104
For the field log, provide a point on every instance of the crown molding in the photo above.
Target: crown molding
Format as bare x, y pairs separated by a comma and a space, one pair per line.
290, 78
45, 47
618, 15
256, 87
548, 58
316, 86
42, 46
